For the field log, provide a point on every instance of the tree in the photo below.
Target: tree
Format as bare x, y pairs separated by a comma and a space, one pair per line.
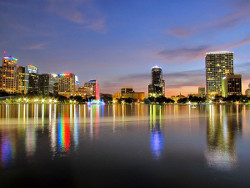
3, 94
107, 98
129, 100
183, 100
61, 98
168, 100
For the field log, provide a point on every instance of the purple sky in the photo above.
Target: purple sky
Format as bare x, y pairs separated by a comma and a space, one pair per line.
118, 41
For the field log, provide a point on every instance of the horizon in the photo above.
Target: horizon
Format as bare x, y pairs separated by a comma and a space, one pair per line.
119, 42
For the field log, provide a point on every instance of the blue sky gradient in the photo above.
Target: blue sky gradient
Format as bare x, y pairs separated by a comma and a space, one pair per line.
119, 41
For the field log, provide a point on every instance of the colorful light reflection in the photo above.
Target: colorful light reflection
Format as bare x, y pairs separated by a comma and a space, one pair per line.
157, 138
63, 133
7, 150
156, 143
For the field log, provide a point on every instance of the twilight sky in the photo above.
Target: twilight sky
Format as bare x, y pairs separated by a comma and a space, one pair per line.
118, 41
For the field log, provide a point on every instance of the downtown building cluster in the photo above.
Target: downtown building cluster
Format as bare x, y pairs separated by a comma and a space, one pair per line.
24, 80
220, 81
220, 77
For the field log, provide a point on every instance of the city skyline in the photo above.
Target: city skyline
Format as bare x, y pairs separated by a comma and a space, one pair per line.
85, 38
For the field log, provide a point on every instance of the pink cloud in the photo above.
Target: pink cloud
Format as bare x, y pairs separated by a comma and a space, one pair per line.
78, 11
37, 46
240, 16
186, 55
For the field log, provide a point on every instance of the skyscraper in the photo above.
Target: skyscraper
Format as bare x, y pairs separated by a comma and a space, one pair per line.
157, 87
31, 69
231, 85
90, 88
22, 80
9, 74
48, 84
67, 82
33, 83
218, 66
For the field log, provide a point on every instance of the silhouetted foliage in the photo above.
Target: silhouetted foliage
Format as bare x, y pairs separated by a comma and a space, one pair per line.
107, 98
3, 94
168, 100
61, 98
196, 99
235, 98
183, 100
129, 100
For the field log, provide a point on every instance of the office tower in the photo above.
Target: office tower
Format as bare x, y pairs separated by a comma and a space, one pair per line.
9, 74
139, 96
126, 90
48, 84
90, 88
67, 82
22, 80
231, 85
157, 87
218, 66
33, 83
248, 91
31, 69
83, 91
201, 91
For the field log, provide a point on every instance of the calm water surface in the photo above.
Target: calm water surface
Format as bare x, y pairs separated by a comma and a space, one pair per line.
47, 145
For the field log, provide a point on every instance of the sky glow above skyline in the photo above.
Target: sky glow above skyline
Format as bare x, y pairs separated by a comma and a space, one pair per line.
119, 41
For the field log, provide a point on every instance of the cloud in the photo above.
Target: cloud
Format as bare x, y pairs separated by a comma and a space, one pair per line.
37, 46
185, 55
78, 11
239, 16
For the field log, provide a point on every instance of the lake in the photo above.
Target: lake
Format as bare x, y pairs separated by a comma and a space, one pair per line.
137, 145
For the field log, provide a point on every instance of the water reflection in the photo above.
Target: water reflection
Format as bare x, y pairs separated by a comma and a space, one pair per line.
155, 129
222, 129
30, 141
8, 148
58, 129
63, 133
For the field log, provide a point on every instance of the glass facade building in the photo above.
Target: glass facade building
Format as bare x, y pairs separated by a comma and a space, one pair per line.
157, 87
218, 66
23, 80
48, 84
33, 83
67, 82
9, 75
231, 85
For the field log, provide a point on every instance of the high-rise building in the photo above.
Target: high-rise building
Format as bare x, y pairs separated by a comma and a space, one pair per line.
126, 90
218, 66
201, 91
157, 87
67, 82
48, 84
9, 75
139, 96
231, 85
32, 69
247, 92
90, 87
22, 80
33, 83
